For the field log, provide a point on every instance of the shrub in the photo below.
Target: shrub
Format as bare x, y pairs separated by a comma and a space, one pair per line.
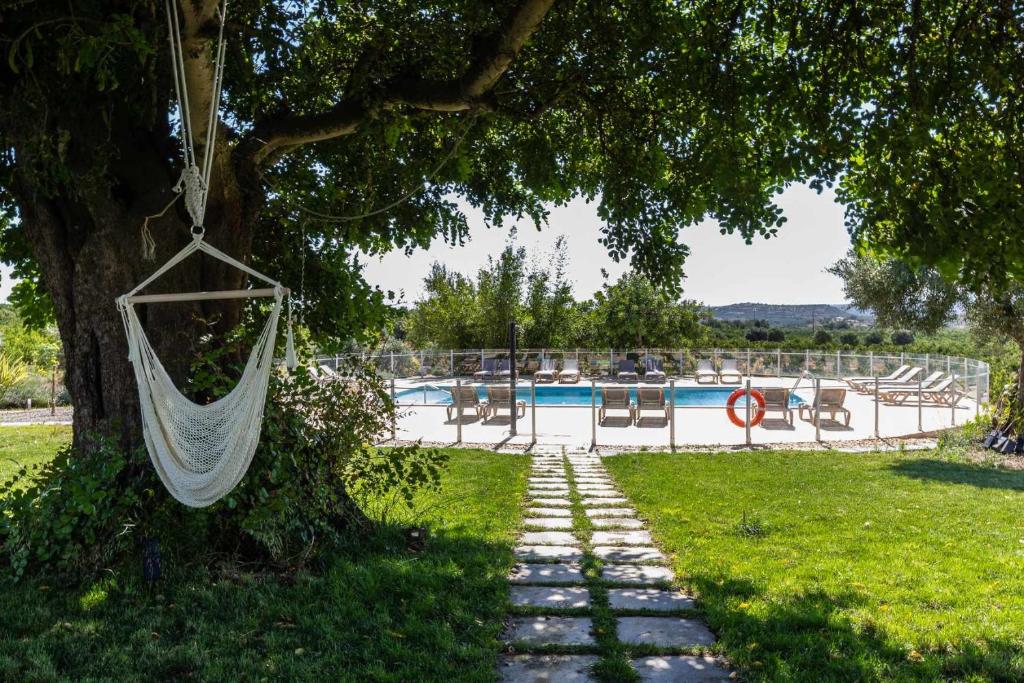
849, 339
822, 338
757, 334
12, 373
776, 335
873, 338
902, 338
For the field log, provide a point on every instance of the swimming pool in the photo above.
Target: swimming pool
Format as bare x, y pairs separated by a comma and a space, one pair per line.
686, 397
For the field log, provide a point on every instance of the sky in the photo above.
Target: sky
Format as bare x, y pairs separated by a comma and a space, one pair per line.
721, 269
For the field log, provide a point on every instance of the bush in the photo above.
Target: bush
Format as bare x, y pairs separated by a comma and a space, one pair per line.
902, 338
849, 339
12, 373
873, 338
776, 335
88, 508
757, 334
822, 338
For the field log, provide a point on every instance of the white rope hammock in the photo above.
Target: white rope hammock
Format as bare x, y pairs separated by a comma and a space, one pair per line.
201, 452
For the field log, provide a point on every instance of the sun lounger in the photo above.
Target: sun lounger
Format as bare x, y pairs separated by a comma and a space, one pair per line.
829, 400
466, 398
504, 370
326, 372
944, 393
627, 371
903, 380
500, 398
653, 371
730, 369
486, 372
929, 381
776, 400
615, 398
570, 373
651, 398
547, 371
856, 382
705, 373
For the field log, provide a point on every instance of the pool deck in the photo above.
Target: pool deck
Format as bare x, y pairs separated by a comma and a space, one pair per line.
571, 426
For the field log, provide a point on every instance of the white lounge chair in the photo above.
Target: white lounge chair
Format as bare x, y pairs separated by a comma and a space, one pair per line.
547, 371
705, 373
653, 371
855, 382
570, 373
487, 370
730, 368
943, 393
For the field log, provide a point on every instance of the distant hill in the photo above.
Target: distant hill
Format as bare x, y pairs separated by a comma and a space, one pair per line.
789, 315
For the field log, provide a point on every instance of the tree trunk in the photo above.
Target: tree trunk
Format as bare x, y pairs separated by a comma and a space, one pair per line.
87, 241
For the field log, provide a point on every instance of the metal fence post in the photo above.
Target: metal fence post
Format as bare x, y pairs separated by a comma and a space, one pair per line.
748, 362
394, 421
533, 405
392, 362
747, 426
807, 360
920, 407
451, 360
672, 414
952, 403
778, 362
871, 362
817, 409
927, 363
458, 412
593, 414
877, 435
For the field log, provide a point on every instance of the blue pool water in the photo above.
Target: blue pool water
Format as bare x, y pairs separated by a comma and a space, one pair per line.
580, 396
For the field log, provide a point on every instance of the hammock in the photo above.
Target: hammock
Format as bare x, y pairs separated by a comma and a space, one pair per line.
201, 452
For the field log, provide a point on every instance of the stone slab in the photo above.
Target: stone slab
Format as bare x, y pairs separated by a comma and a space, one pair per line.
534, 482
546, 630
549, 512
609, 512
541, 501
622, 538
557, 523
564, 553
560, 485
664, 632
648, 598
559, 492
680, 669
596, 502
545, 596
547, 668
591, 479
636, 574
614, 553
617, 523
609, 493
548, 538
586, 486
525, 572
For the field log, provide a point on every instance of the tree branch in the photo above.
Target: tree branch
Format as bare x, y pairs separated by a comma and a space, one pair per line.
468, 92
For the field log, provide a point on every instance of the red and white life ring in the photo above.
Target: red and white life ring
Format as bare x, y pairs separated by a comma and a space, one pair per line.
730, 409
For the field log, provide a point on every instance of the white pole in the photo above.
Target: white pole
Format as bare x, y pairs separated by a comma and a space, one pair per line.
778, 362
748, 362
920, 419
817, 409
747, 427
871, 362
952, 403
458, 412
839, 364
392, 362
927, 363
394, 421
876, 407
672, 414
451, 360
807, 360
593, 414
533, 404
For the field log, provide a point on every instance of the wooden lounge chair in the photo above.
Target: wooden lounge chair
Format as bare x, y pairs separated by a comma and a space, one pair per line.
486, 371
856, 382
500, 398
465, 398
615, 398
829, 400
705, 373
651, 398
730, 369
570, 373
653, 371
776, 400
627, 371
943, 393
547, 371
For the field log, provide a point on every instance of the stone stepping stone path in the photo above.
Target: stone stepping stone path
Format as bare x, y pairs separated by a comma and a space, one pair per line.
590, 584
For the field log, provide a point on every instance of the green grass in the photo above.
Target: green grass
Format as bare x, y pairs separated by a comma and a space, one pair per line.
376, 613
29, 445
845, 567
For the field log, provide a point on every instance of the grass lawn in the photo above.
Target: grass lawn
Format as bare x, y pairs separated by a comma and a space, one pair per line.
377, 613
29, 445
851, 567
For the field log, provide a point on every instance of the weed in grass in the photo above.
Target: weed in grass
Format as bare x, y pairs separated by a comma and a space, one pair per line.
751, 526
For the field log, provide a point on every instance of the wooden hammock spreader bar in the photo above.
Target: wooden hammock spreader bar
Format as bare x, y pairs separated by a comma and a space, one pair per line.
205, 296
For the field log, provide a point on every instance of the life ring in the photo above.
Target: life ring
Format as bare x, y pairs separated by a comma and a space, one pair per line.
730, 409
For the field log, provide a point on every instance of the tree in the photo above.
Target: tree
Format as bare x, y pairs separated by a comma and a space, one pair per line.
873, 338
337, 110
757, 334
776, 335
822, 338
849, 339
443, 318
499, 296
633, 313
902, 338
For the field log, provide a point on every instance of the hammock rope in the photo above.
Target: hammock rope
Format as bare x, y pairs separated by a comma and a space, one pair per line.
201, 452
